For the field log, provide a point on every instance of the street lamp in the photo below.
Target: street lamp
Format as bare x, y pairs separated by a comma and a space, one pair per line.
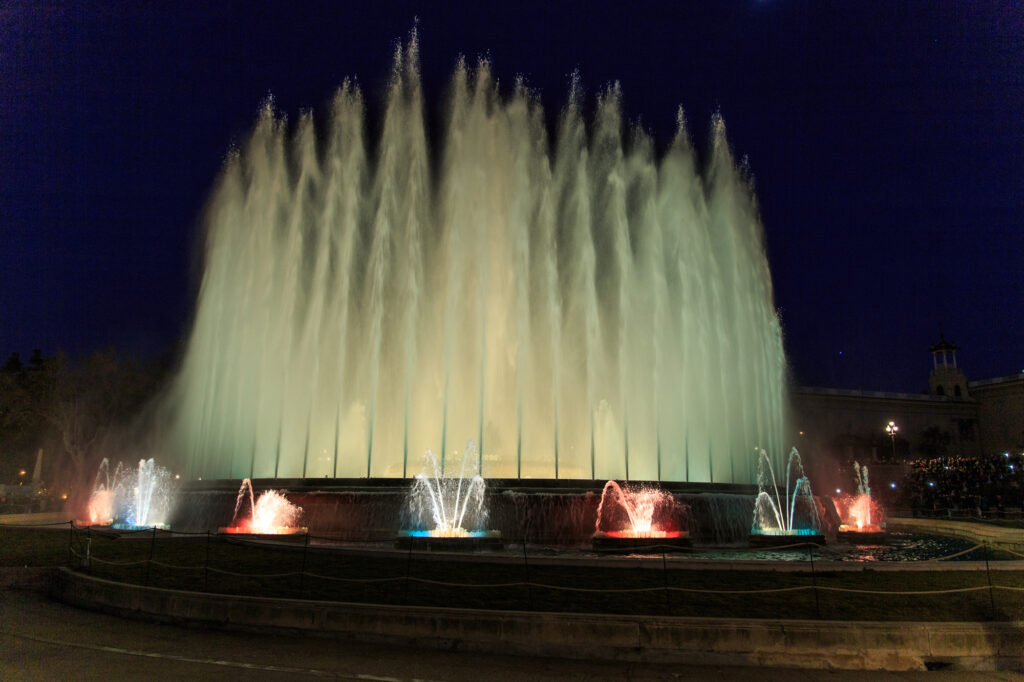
891, 429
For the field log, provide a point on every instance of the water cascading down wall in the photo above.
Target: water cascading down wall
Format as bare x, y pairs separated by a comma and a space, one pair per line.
577, 306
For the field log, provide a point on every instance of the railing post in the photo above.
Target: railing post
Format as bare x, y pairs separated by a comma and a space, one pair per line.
302, 573
814, 580
206, 565
71, 538
664, 580
149, 561
408, 567
988, 574
526, 571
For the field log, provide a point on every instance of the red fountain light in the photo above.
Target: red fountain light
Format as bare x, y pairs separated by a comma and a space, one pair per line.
271, 514
626, 519
858, 514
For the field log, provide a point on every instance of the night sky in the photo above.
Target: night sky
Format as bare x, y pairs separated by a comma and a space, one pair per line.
886, 140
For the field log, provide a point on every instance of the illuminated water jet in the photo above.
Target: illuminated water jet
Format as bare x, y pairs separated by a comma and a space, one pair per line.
789, 518
269, 514
626, 519
448, 511
584, 307
131, 498
860, 515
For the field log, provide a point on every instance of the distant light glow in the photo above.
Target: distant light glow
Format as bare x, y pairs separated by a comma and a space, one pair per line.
892, 485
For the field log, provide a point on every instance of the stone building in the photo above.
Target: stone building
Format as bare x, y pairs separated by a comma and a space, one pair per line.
955, 417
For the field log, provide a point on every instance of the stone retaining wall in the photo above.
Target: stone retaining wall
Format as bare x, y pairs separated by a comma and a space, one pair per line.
710, 641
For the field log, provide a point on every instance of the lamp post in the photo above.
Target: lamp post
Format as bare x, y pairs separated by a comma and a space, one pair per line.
891, 429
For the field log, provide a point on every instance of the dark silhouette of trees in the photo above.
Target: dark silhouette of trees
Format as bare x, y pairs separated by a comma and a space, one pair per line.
70, 405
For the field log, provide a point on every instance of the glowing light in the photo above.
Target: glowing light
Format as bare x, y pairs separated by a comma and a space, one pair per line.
632, 509
270, 514
838, 491
892, 485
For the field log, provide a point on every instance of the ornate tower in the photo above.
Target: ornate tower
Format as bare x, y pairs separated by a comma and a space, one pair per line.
946, 378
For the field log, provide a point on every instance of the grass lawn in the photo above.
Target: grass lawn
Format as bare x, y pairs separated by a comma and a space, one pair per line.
202, 564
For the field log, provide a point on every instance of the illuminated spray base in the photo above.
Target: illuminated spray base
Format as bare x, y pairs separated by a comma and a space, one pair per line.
871, 534
449, 540
245, 529
628, 540
781, 538
129, 526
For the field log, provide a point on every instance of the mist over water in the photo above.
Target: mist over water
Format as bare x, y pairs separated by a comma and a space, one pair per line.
575, 305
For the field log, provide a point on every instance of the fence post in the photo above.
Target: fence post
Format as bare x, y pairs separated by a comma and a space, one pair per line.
408, 567
149, 561
206, 565
302, 573
526, 570
814, 580
71, 538
988, 574
664, 580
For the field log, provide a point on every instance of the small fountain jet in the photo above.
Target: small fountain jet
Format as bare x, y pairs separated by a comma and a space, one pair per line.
626, 519
792, 519
448, 512
269, 514
859, 514
133, 498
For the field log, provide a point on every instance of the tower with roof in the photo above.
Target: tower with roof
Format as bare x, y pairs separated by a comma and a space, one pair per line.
946, 379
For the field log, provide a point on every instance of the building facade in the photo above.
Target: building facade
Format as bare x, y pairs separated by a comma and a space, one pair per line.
956, 417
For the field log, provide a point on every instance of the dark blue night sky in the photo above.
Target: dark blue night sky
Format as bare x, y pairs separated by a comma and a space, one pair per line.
886, 140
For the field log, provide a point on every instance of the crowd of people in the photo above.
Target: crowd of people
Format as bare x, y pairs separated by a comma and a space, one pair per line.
967, 485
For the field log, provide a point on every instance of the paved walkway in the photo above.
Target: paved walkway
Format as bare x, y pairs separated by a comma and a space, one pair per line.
44, 640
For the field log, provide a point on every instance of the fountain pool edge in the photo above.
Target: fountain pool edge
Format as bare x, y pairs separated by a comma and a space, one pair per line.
998, 537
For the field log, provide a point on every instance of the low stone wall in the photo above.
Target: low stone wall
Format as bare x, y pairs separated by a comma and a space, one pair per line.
35, 519
999, 537
708, 641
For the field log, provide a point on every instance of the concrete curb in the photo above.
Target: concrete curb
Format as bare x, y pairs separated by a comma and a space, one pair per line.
863, 645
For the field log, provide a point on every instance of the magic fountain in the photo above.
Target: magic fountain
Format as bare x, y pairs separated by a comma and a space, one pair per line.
448, 511
582, 306
269, 514
860, 517
789, 518
633, 517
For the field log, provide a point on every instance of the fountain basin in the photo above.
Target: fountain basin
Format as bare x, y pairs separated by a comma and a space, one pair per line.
863, 535
449, 541
629, 541
784, 538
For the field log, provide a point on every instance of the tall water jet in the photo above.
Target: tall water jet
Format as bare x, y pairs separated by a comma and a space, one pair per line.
448, 504
791, 516
631, 517
581, 306
269, 514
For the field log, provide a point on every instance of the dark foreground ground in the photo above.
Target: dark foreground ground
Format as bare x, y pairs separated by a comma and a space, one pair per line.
44, 640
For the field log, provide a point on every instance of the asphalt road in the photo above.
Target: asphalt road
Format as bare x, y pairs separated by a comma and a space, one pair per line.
44, 640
